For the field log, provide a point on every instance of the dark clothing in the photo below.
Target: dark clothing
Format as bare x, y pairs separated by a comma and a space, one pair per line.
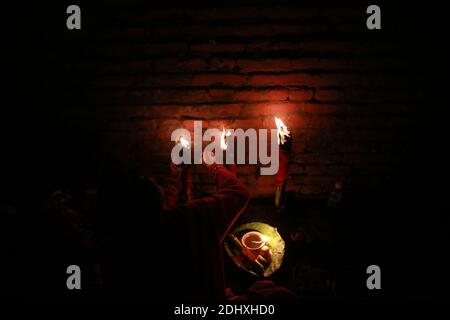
282, 173
192, 236
164, 248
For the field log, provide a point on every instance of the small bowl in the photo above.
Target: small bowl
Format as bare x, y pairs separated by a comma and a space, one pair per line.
253, 240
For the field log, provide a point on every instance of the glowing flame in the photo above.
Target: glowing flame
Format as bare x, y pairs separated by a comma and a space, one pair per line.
283, 131
264, 238
184, 142
254, 240
223, 142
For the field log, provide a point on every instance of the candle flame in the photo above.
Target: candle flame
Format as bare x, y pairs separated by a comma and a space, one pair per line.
184, 142
258, 243
264, 238
223, 142
283, 131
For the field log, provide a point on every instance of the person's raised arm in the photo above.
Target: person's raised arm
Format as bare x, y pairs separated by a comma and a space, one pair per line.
225, 206
172, 187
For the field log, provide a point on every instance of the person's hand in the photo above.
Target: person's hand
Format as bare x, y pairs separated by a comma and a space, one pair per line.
175, 170
209, 158
211, 161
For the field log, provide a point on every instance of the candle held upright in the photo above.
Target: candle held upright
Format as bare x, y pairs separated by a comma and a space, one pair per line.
224, 145
285, 143
187, 193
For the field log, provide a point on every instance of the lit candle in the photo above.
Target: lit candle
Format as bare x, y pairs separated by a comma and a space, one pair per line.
186, 144
284, 149
187, 173
224, 146
283, 130
223, 141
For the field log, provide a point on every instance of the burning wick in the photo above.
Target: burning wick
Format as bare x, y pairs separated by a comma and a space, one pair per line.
185, 143
223, 142
280, 181
283, 131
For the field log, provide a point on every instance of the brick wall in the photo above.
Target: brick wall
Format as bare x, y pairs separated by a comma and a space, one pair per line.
133, 74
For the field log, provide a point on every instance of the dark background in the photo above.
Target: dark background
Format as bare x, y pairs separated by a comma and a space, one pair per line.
365, 107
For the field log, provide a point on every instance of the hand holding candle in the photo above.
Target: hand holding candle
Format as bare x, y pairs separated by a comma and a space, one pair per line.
223, 141
186, 144
224, 145
187, 173
283, 131
284, 142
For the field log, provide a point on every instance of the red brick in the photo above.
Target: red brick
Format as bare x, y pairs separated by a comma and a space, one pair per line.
227, 30
250, 65
298, 146
263, 181
310, 189
298, 30
304, 64
314, 170
326, 121
354, 159
319, 180
356, 147
248, 13
300, 95
248, 123
293, 188
217, 47
323, 108
320, 47
293, 121
170, 96
343, 14
231, 80
176, 65
261, 95
296, 169
222, 95
159, 49
344, 95
338, 170
296, 79
314, 158
224, 64
193, 64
